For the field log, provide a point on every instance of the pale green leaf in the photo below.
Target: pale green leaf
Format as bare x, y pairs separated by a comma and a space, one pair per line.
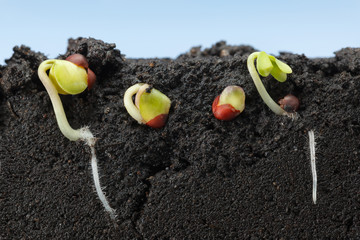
278, 74
263, 64
68, 78
283, 66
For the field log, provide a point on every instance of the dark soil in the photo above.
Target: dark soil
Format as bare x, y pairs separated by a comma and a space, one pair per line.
196, 178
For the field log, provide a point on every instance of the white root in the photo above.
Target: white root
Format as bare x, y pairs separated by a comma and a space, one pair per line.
90, 141
313, 166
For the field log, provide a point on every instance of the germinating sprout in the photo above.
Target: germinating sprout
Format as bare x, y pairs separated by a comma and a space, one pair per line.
151, 107
72, 76
266, 65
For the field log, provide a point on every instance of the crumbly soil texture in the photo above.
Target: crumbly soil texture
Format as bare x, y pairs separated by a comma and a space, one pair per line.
196, 178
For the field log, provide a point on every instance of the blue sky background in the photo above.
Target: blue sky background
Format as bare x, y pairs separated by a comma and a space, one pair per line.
165, 28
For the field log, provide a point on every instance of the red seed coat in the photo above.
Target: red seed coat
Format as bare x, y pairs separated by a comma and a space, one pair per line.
79, 60
225, 112
158, 121
91, 78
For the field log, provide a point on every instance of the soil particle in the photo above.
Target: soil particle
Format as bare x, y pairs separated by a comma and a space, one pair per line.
21, 70
196, 178
103, 58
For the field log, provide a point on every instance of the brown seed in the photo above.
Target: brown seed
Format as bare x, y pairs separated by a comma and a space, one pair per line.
91, 78
289, 103
79, 60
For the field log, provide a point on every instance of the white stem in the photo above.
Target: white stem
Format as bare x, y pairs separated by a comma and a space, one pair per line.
129, 104
260, 87
141, 90
61, 119
313, 166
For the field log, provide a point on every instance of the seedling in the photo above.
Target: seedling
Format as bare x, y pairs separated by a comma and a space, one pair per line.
266, 65
151, 106
229, 104
72, 76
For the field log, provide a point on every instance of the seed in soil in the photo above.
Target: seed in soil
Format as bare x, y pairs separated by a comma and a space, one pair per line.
151, 106
229, 104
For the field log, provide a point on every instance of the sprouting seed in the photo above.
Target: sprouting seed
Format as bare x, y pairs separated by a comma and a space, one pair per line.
265, 65
151, 106
72, 76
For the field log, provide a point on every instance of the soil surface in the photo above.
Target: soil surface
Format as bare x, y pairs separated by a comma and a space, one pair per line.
196, 178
